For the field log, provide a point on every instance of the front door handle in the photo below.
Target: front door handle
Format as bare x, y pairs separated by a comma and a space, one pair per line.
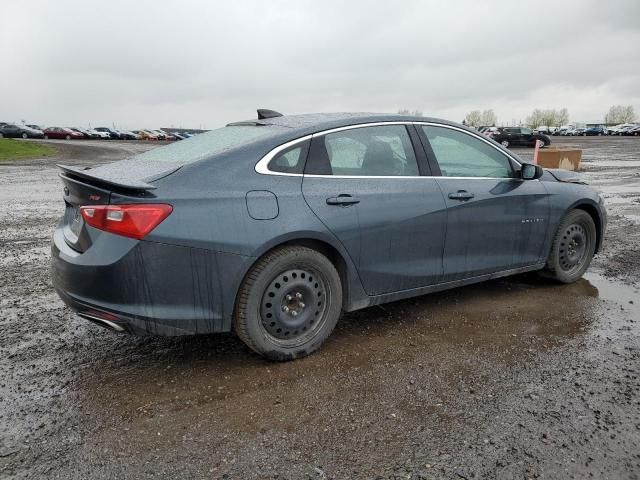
461, 195
343, 199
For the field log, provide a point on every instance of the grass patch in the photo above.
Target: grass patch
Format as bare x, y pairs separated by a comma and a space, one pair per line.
11, 149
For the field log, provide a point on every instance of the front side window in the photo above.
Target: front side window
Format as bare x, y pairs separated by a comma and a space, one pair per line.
462, 155
368, 151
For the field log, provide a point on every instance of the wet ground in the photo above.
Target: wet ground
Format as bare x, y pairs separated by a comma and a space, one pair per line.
516, 378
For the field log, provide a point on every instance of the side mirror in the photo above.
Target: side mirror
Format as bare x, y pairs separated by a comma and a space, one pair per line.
530, 171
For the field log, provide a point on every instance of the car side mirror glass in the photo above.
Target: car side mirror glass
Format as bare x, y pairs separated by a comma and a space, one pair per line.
530, 171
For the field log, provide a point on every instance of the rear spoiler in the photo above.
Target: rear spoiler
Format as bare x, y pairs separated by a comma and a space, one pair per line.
85, 174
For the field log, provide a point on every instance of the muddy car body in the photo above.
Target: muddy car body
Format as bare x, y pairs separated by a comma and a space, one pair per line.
273, 227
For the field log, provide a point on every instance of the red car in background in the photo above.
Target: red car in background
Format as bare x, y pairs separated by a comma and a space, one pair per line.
62, 133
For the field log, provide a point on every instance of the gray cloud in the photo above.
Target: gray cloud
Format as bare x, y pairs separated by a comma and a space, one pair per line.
192, 63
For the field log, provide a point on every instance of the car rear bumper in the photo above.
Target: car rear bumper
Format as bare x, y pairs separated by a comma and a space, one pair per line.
148, 288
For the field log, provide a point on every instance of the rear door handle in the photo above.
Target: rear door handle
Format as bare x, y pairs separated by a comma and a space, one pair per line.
343, 199
461, 195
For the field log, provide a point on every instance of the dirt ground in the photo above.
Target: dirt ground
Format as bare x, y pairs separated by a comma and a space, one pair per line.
515, 378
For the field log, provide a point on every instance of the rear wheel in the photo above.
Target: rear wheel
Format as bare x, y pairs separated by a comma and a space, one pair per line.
46, 137
289, 303
505, 143
68, 137
24, 135
573, 247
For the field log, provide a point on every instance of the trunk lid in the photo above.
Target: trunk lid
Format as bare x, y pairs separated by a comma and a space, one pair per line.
94, 186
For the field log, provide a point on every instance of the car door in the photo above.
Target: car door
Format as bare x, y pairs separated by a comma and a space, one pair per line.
495, 220
365, 185
527, 137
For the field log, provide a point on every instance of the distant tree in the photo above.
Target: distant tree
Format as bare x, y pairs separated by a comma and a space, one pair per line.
488, 118
563, 117
473, 118
620, 114
548, 118
535, 119
406, 111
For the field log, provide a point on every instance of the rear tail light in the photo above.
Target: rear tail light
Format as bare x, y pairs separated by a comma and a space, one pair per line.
134, 221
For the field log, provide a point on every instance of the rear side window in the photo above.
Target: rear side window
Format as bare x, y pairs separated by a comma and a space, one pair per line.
462, 155
368, 151
206, 144
290, 160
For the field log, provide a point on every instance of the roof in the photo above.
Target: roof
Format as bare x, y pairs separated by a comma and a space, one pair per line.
314, 122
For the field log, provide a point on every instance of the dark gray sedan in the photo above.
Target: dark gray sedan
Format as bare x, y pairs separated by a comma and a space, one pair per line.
272, 227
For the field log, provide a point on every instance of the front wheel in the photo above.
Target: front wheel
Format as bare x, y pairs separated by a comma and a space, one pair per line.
46, 137
25, 136
289, 303
573, 247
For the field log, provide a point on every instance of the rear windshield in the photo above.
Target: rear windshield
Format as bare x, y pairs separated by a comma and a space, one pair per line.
206, 144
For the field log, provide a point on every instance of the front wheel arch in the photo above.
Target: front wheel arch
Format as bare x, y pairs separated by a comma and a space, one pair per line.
595, 216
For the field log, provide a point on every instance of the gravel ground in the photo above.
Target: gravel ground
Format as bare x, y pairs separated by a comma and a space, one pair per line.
513, 378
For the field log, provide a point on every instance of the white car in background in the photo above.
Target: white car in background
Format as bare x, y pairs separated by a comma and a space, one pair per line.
99, 135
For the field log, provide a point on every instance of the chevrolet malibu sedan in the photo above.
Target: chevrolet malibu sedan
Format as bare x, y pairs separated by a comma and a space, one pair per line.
272, 227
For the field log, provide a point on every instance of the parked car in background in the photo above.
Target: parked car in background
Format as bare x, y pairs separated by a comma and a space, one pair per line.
635, 131
579, 132
99, 135
62, 133
145, 135
10, 130
35, 127
126, 135
131, 135
167, 135
491, 131
625, 130
615, 130
273, 229
595, 131
85, 133
159, 134
113, 134
519, 137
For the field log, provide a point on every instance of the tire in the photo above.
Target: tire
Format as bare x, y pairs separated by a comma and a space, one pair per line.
68, 137
25, 136
46, 137
584, 134
568, 261
505, 143
288, 303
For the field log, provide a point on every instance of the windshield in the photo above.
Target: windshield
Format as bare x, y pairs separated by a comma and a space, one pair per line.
206, 144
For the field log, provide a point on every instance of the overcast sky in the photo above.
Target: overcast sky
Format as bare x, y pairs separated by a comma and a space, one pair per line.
204, 63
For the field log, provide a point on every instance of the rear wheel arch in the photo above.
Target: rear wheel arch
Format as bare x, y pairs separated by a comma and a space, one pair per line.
323, 247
